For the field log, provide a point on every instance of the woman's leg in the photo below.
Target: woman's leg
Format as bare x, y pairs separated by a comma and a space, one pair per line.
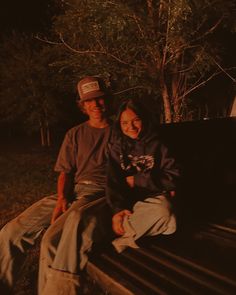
150, 217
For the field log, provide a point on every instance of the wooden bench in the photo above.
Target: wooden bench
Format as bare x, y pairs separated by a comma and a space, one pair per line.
200, 258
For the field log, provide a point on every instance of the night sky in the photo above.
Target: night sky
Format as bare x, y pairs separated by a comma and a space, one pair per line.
24, 15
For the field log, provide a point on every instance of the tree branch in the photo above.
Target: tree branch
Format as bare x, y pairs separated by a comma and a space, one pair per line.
47, 41
136, 20
128, 89
178, 51
208, 31
223, 70
199, 85
166, 39
93, 52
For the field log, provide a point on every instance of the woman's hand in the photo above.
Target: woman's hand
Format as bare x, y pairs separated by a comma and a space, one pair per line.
117, 221
172, 194
130, 181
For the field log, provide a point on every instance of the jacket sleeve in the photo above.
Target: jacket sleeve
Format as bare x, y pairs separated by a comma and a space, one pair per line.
116, 186
163, 176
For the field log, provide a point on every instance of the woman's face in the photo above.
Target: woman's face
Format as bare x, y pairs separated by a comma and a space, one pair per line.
130, 123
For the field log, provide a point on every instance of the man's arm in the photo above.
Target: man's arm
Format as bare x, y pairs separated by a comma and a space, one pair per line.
64, 185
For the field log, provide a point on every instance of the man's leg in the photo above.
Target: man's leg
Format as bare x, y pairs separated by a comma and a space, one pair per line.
60, 245
68, 258
52, 239
19, 234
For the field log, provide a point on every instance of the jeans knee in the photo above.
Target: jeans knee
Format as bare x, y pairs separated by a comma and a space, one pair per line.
10, 232
74, 217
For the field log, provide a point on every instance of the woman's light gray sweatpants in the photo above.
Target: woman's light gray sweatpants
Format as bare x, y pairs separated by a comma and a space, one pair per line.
150, 217
60, 243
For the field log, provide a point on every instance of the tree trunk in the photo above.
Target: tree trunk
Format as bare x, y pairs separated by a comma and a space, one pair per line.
167, 108
45, 134
48, 136
150, 9
42, 137
166, 100
176, 101
178, 85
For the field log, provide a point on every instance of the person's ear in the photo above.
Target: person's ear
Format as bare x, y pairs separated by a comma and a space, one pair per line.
80, 105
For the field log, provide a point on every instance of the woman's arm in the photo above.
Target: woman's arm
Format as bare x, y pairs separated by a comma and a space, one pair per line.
116, 188
163, 176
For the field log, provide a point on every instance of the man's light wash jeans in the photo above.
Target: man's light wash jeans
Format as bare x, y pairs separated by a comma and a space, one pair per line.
63, 249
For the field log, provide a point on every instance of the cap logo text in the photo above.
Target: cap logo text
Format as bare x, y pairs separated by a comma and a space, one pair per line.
90, 86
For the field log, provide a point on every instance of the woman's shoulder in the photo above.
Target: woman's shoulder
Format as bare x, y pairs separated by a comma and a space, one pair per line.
152, 136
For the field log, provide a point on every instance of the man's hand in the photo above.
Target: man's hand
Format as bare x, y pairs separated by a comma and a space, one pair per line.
117, 221
61, 207
130, 181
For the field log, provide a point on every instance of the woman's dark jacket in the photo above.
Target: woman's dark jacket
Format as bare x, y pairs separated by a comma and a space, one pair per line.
147, 159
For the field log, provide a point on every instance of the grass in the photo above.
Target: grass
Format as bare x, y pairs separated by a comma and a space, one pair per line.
26, 175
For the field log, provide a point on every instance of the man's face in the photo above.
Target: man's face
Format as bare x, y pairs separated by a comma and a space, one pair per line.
95, 108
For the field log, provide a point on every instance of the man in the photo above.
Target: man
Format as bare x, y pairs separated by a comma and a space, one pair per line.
81, 165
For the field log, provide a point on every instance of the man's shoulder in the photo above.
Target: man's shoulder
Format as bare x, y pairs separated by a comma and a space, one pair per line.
77, 128
84, 129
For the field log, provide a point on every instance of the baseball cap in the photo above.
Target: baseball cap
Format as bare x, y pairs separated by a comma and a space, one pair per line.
91, 87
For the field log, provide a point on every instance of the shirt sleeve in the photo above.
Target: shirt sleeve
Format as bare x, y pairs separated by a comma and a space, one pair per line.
66, 160
163, 176
116, 186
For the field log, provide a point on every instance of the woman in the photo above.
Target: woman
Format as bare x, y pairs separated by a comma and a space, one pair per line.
141, 179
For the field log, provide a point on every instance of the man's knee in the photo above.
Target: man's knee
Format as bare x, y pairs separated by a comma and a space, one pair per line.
74, 217
10, 232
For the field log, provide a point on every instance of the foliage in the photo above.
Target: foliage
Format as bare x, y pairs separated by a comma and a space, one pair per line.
163, 49
32, 93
